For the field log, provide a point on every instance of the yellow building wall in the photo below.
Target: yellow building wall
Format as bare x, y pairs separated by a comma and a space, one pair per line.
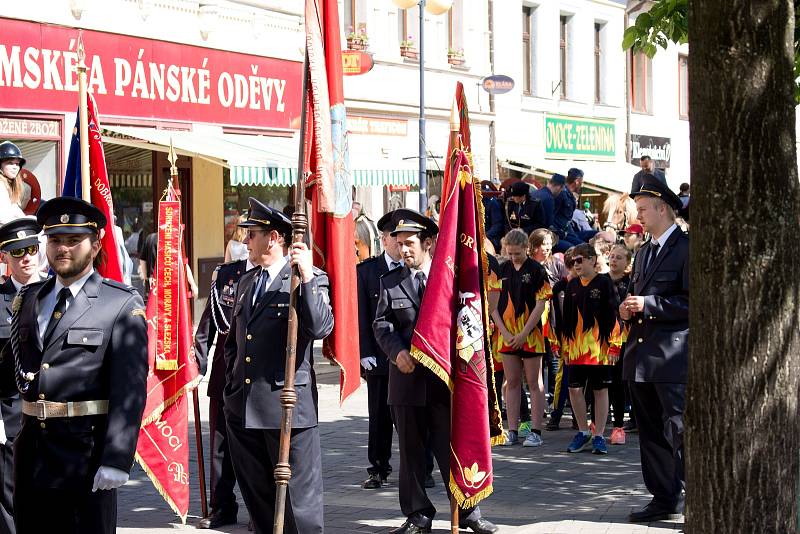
208, 222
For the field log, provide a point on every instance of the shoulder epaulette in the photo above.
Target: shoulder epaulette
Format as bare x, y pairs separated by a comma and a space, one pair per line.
118, 285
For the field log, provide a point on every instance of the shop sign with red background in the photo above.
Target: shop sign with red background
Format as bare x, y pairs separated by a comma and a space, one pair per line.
144, 78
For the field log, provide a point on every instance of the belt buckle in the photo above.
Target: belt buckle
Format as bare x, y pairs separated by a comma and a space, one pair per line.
41, 410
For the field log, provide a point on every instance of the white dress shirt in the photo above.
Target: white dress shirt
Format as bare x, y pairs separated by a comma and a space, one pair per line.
48, 302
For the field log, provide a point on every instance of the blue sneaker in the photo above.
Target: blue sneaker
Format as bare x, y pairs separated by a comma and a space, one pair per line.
579, 442
599, 445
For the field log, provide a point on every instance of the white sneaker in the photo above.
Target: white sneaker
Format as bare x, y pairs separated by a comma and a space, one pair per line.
511, 438
533, 440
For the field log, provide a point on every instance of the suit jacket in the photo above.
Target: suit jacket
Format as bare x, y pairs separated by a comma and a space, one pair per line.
657, 347
10, 408
368, 277
218, 311
528, 217
636, 183
98, 351
563, 208
255, 350
395, 318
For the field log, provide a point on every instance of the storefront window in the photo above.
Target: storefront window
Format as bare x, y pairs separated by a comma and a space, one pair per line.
236, 203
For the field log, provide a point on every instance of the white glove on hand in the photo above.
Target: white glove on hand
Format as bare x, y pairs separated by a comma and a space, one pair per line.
369, 363
108, 478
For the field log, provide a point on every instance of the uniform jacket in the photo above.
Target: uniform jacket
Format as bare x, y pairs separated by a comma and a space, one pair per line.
636, 183
563, 208
11, 408
368, 276
98, 351
493, 220
657, 344
255, 350
529, 216
547, 201
217, 312
395, 318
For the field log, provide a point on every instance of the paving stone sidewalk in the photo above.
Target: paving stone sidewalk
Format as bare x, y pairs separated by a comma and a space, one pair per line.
537, 490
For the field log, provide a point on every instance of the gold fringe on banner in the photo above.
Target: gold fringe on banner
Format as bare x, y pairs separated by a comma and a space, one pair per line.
160, 488
431, 364
156, 413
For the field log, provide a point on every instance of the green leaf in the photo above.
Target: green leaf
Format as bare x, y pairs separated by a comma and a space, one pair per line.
650, 50
629, 37
644, 22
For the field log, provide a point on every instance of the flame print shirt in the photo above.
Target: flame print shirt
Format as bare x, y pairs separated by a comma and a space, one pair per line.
519, 292
590, 332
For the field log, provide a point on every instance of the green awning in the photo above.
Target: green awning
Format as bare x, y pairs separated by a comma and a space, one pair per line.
243, 175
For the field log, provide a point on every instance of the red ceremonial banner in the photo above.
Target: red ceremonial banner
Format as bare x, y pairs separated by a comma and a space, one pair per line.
168, 277
163, 449
330, 186
450, 337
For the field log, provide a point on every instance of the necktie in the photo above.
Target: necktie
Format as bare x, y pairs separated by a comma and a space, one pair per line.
395, 265
58, 313
654, 246
261, 286
421, 280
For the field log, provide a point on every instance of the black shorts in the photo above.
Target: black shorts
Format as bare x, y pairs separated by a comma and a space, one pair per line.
596, 376
525, 355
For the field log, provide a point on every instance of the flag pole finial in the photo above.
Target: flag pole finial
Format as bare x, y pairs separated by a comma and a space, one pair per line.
172, 158
455, 120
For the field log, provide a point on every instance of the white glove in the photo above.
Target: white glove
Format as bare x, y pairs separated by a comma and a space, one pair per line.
369, 363
108, 478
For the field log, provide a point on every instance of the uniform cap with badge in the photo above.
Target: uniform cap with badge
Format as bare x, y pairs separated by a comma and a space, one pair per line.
408, 220
653, 187
19, 234
70, 215
262, 215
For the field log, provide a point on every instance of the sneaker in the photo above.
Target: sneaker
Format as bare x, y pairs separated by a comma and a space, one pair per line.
511, 438
552, 424
524, 429
579, 442
617, 436
599, 445
533, 440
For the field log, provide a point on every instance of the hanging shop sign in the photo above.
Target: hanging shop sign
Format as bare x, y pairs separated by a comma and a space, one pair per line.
145, 78
579, 137
355, 62
376, 126
497, 84
658, 148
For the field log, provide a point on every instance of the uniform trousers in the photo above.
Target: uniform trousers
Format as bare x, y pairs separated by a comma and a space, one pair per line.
255, 454
418, 426
223, 477
7, 494
379, 444
64, 511
659, 415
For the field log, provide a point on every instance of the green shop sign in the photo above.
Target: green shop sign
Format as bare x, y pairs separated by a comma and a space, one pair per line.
569, 137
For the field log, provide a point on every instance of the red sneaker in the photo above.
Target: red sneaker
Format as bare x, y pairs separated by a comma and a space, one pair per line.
617, 436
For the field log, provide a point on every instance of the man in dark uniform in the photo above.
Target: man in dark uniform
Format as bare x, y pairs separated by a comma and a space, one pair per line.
522, 211
656, 352
373, 360
214, 326
19, 248
80, 364
255, 357
419, 400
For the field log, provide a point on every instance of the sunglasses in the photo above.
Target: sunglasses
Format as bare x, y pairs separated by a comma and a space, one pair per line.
252, 233
31, 250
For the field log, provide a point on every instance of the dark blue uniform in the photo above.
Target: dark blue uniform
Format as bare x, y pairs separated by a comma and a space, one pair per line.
214, 326
11, 411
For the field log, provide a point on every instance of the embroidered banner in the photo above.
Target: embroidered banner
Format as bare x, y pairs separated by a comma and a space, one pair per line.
168, 275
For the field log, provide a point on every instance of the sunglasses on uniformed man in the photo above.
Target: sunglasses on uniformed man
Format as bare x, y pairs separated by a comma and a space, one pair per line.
31, 250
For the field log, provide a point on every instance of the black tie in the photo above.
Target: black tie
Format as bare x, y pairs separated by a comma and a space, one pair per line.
58, 313
261, 286
421, 279
395, 265
654, 246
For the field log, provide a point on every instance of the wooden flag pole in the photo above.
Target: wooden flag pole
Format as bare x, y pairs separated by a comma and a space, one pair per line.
83, 112
283, 471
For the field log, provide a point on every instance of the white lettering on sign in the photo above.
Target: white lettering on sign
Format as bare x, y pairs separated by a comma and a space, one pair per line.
10, 127
375, 126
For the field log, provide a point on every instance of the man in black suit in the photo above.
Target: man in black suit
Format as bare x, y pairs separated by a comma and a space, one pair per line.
19, 248
419, 400
374, 361
80, 364
648, 168
214, 326
656, 354
255, 358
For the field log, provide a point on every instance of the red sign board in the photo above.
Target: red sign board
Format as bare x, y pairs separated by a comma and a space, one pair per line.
355, 62
144, 78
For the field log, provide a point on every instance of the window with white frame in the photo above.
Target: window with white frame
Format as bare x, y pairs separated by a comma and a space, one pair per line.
683, 86
528, 50
641, 83
408, 28
455, 31
599, 62
563, 54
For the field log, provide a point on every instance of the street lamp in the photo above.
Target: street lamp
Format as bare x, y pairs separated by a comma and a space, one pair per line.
434, 7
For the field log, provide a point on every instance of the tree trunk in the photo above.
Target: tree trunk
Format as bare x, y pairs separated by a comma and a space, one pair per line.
742, 402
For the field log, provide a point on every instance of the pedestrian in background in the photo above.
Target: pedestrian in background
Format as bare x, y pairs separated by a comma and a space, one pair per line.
619, 261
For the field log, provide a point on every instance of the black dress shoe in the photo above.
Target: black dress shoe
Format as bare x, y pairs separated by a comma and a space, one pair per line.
654, 512
429, 481
479, 526
218, 518
415, 524
374, 481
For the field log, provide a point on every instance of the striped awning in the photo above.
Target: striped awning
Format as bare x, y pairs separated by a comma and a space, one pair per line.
243, 175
